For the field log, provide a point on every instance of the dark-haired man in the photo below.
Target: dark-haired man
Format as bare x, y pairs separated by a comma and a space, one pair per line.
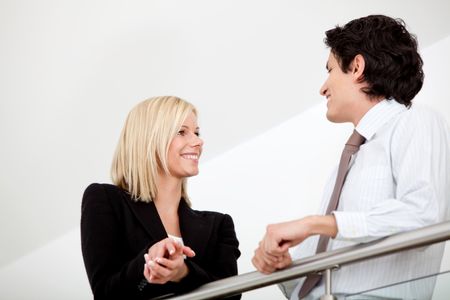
398, 175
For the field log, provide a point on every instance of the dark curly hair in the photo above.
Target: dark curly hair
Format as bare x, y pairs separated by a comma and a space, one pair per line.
393, 67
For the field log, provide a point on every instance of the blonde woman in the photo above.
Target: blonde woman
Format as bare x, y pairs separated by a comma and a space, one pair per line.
140, 237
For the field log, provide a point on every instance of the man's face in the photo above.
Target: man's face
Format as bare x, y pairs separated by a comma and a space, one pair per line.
339, 89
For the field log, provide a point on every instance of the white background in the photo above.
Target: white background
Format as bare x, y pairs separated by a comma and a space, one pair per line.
71, 70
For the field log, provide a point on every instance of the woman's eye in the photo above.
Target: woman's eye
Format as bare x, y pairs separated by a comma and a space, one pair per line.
197, 133
181, 132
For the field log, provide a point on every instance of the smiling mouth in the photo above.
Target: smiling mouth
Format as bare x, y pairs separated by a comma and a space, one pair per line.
190, 156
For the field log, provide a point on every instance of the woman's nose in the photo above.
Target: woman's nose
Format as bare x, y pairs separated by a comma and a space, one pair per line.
197, 141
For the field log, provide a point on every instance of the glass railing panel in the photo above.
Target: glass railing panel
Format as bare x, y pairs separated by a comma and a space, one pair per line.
435, 287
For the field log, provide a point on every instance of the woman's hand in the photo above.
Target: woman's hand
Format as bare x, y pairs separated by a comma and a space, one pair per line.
164, 262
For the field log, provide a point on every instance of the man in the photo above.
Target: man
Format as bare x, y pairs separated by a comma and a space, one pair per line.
396, 181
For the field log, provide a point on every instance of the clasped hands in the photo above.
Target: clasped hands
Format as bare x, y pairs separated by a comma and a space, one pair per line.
164, 262
273, 251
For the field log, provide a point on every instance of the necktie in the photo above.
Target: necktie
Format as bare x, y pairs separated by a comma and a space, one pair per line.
351, 147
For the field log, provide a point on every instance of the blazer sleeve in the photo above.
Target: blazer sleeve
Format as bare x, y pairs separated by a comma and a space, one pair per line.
111, 274
221, 261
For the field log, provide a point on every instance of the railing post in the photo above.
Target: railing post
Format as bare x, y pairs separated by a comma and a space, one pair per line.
327, 279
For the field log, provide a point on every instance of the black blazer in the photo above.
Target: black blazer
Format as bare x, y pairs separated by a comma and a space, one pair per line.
116, 232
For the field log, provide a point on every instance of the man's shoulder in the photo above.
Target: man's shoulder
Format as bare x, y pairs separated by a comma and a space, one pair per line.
422, 110
421, 115
419, 123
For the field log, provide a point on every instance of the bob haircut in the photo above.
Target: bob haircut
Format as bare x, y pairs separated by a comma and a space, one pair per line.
143, 145
393, 67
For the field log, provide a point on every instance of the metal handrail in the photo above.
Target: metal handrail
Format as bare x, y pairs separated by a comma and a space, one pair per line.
253, 280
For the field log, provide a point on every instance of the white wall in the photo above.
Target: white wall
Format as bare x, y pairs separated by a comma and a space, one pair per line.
268, 178
276, 176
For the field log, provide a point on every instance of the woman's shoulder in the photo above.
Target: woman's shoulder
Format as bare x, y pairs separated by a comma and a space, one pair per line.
104, 191
210, 213
102, 188
219, 217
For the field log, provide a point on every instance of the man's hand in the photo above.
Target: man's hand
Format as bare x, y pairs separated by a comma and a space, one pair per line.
267, 263
280, 237
272, 253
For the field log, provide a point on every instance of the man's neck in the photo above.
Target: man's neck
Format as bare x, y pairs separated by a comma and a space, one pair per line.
365, 105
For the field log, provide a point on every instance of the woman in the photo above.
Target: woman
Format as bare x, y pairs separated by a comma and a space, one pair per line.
140, 238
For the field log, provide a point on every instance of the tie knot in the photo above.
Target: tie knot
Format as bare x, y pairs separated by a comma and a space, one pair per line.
355, 139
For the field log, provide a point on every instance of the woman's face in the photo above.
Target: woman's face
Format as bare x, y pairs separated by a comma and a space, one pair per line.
185, 149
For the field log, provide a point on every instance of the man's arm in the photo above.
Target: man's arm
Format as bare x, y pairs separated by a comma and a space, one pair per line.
272, 253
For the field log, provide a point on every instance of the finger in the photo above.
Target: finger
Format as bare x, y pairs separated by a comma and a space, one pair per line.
160, 251
270, 263
147, 273
268, 245
169, 264
188, 251
171, 247
257, 263
157, 250
158, 270
283, 264
268, 258
284, 246
276, 249
261, 266
157, 280
262, 263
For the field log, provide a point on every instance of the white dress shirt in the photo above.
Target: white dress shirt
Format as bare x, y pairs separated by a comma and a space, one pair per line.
398, 181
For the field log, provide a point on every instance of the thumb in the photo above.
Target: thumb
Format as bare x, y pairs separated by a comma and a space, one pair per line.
285, 246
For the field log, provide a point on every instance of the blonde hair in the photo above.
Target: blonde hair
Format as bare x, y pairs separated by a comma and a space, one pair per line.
144, 144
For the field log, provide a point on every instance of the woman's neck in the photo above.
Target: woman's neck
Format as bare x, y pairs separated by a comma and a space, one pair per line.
167, 202
169, 192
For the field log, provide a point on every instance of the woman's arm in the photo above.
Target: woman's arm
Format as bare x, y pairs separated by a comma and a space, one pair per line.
112, 273
221, 261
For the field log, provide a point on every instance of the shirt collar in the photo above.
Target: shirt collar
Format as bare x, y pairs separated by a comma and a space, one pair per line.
377, 116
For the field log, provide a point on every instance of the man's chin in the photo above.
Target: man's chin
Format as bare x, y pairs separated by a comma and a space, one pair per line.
335, 118
332, 118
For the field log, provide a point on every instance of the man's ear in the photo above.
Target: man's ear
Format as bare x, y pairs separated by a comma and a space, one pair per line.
358, 66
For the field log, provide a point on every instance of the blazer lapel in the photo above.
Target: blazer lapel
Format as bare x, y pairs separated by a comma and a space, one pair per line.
148, 216
195, 228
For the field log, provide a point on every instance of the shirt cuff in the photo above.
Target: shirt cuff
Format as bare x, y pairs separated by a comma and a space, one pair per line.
350, 225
